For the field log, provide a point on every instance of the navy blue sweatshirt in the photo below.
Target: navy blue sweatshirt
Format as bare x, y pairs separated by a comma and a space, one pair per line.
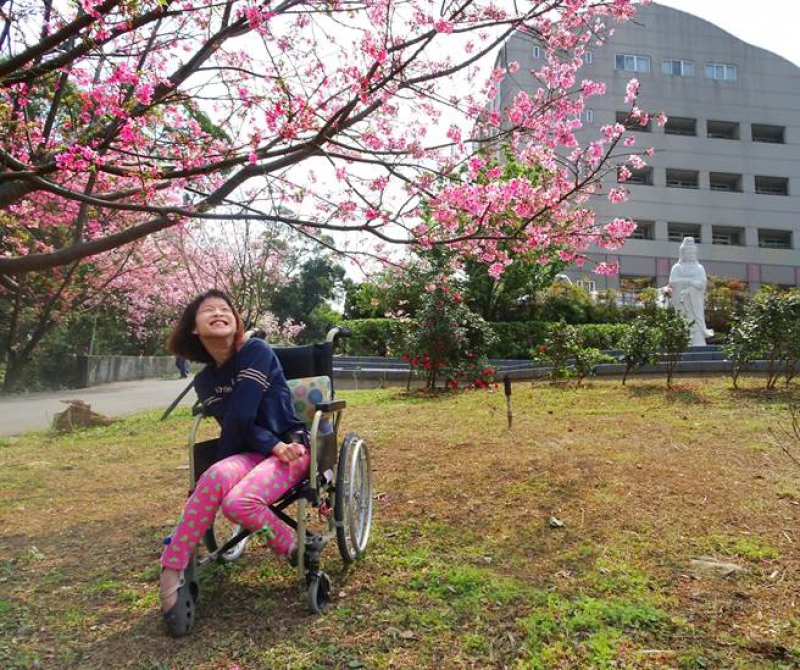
249, 398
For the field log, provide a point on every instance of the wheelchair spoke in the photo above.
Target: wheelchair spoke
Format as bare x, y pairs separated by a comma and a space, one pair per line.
354, 493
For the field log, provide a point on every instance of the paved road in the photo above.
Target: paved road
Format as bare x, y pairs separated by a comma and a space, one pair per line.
34, 411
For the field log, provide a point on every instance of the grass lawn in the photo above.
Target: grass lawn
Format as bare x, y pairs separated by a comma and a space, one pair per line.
463, 570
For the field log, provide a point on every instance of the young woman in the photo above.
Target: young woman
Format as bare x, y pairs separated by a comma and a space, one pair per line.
244, 388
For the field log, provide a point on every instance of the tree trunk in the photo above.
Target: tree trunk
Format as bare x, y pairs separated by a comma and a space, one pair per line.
14, 368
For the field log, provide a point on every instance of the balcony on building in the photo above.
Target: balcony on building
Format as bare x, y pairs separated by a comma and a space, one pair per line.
680, 125
643, 177
772, 185
677, 231
774, 239
632, 124
725, 181
682, 178
645, 230
727, 236
722, 130
768, 134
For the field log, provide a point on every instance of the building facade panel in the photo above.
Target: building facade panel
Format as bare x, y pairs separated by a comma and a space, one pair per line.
736, 186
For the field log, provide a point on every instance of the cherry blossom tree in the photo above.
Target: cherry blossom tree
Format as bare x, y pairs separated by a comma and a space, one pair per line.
147, 283
316, 116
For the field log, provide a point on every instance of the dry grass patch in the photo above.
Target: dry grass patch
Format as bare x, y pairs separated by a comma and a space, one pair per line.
464, 570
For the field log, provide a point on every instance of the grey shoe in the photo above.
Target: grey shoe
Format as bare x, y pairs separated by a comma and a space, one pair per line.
179, 619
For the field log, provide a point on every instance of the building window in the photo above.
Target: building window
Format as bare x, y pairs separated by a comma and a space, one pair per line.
589, 116
768, 134
723, 71
537, 52
633, 124
683, 178
643, 177
588, 285
588, 58
772, 185
677, 231
645, 230
774, 239
722, 130
727, 237
726, 181
677, 68
678, 125
630, 63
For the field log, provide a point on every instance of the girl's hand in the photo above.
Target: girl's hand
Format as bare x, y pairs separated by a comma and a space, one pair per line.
286, 453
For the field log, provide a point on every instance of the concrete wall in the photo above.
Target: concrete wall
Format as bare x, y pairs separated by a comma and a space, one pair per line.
766, 91
94, 370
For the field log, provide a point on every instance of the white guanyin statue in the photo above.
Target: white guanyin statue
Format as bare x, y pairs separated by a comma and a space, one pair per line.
687, 289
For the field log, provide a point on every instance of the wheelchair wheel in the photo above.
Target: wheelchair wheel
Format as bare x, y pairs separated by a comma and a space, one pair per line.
319, 592
216, 536
352, 507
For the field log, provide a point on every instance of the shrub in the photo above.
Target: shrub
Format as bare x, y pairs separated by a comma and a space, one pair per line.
557, 350
516, 339
377, 337
564, 350
769, 328
638, 345
742, 346
673, 337
449, 340
566, 302
724, 299
603, 335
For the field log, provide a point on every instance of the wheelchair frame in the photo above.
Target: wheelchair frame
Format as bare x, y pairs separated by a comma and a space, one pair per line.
347, 506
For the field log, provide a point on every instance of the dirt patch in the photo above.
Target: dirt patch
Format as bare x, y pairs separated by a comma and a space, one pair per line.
463, 570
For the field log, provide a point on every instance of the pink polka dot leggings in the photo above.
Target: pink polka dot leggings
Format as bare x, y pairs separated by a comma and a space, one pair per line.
244, 486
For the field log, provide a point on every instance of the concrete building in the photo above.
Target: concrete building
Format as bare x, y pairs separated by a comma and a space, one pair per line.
727, 165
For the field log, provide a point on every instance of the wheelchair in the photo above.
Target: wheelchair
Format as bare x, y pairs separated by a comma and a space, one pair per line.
338, 486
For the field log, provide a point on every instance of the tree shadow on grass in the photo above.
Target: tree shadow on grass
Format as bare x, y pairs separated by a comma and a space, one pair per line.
103, 610
764, 396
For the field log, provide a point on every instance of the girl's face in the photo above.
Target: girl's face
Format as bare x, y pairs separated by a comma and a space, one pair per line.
214, 319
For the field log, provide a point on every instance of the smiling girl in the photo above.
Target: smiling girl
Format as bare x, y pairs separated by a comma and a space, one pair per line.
243, 387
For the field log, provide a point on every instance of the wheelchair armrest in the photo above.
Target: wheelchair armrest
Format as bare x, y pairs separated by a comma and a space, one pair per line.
199, 408
331, 407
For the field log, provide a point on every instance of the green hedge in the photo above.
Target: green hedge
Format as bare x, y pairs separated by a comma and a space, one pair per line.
376, 337
603, 335
515, 339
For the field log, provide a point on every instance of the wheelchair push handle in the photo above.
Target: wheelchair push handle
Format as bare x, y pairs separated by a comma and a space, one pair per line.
337, 332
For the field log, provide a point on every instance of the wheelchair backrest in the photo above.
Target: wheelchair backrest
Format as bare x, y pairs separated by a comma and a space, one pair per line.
310, 360
307, 393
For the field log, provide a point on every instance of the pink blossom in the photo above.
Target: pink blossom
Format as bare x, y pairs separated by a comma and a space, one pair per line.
496, 270
617, 195
144, 93
631, 90
606, 268
620, 228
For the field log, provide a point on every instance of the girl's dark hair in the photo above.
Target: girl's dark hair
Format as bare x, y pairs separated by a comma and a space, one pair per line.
183, 342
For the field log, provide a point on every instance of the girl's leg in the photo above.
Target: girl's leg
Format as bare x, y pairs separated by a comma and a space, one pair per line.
202, 505
248, 502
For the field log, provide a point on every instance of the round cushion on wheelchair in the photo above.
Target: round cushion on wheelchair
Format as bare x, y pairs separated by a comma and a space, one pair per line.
306, 393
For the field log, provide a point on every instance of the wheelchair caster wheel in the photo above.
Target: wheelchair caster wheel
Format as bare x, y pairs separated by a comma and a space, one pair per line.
319, 592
